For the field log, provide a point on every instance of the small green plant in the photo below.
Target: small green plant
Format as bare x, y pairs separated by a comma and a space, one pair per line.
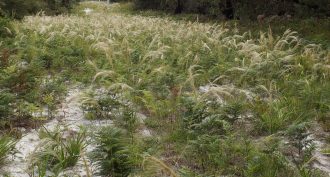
230, 154
7, 145
6, 99
49, 100
206, 117
91, 107
59, 150
112, 154
268, 160
100, 107
129, 121
40, 168
233, 111
272, 116
303, 145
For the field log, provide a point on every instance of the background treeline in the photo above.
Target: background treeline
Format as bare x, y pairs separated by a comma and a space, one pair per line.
20, 8
241, 9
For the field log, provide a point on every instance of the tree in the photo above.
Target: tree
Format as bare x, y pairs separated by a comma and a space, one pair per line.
179, 7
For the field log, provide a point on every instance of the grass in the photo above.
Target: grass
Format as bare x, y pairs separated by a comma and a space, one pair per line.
209, 91
57, 151
318, 33
7, 145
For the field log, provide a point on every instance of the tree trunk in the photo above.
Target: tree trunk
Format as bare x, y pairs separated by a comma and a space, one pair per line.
178, 9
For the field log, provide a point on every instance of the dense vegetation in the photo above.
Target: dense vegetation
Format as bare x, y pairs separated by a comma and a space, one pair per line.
241, 9
20, 8
216, 101
24, 65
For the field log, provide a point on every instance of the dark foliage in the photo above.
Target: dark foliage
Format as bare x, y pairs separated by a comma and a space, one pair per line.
241, 9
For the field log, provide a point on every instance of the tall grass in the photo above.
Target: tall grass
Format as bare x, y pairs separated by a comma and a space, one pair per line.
204, 89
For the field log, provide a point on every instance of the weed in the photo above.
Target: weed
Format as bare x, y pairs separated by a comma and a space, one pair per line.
7, 145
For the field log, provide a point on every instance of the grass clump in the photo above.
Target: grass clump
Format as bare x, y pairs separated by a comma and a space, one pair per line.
57, 151
7, 145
